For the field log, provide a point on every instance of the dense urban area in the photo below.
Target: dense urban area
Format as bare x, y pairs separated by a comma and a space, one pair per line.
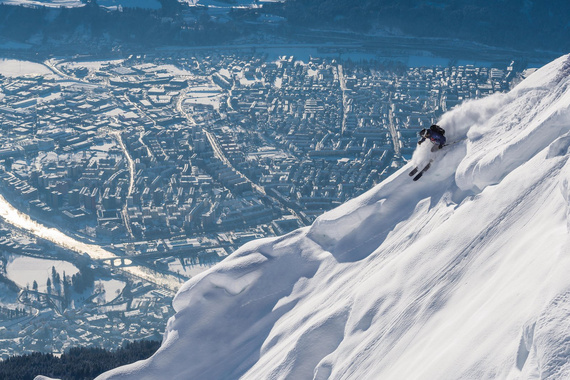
172, 161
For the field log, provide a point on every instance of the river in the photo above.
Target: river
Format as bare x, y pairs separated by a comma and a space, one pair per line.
13, 216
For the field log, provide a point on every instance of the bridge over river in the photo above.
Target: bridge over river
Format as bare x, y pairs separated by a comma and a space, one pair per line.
20, 220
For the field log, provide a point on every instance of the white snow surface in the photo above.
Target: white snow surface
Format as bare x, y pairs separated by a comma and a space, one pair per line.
17, 68
463, 274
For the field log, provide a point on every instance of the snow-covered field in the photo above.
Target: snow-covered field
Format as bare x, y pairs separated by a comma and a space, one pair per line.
223, 4
45, 3
172, 69
92, 65
115, 4
111, 4
25, 270
205, 98
112, 289
17, 68
461, 275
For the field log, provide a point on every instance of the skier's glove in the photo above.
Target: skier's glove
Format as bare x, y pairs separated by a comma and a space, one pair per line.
440, 146
419, 143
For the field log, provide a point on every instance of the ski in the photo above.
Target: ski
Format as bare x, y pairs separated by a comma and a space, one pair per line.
414, 171
420, 174
455, 142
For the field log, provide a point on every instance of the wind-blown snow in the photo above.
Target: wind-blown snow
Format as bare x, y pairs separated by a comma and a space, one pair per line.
461, 275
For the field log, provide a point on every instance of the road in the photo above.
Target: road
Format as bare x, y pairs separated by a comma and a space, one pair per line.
393, 131
140, 128
131, 166
342, 82
392, 124
54, 234
219, 153
51, 64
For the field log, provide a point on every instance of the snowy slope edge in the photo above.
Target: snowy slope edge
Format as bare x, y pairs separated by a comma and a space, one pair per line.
460, 275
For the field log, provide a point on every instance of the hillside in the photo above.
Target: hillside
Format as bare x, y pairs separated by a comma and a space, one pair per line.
521, 30
463, 274
509, 23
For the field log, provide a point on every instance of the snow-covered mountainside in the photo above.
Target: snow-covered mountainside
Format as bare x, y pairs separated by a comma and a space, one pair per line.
464, 274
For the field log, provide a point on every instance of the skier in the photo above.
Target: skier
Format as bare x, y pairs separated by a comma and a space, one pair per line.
435, 134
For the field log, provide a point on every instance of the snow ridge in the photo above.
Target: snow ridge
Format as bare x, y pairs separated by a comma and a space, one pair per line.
462, 274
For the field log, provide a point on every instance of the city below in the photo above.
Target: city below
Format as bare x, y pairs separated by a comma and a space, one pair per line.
121, 179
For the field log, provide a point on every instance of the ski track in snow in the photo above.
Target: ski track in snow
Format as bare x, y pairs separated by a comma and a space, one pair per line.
462, 274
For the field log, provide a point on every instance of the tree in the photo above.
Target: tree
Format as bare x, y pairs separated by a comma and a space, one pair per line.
77, 363
35, 286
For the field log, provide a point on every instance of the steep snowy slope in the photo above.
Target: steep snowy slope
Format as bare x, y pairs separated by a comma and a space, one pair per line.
464, 274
